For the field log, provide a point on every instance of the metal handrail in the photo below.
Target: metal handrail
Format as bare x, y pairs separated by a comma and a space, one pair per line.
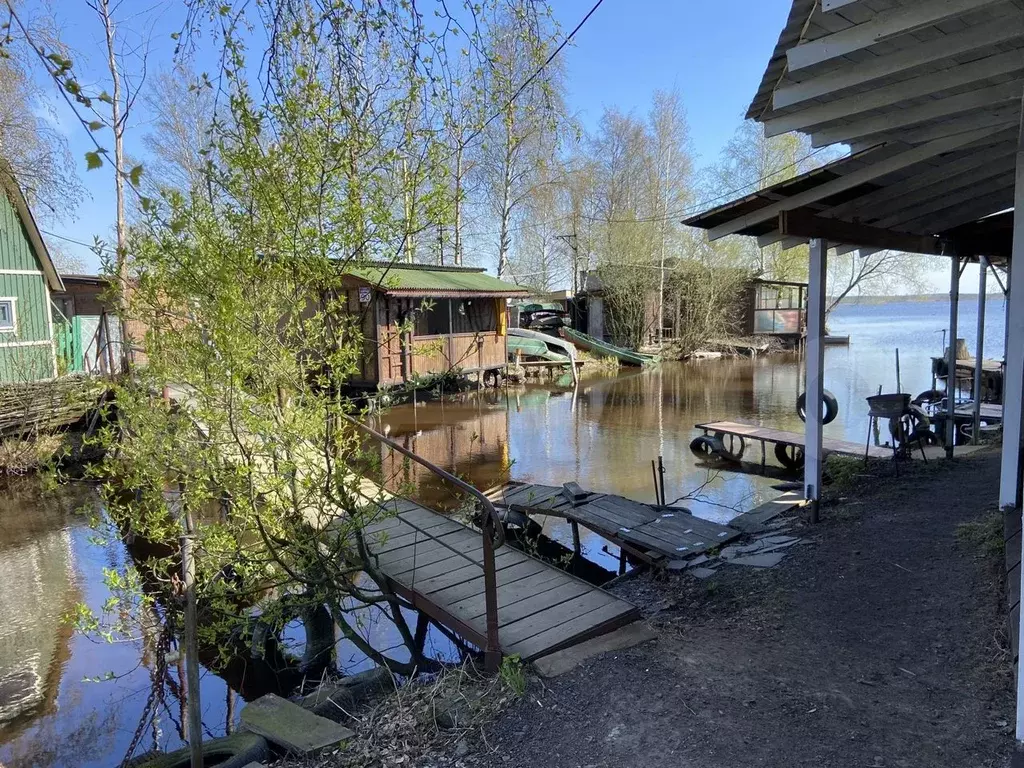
493, 538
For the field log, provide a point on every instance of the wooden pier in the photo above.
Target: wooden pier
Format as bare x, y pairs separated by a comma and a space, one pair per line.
792, 439
650, 533
438, 565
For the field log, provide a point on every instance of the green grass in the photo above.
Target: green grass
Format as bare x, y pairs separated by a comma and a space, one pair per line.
512, 674
984, 534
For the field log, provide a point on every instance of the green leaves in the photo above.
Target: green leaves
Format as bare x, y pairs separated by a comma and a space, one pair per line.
94, 125
135, 175
93, 161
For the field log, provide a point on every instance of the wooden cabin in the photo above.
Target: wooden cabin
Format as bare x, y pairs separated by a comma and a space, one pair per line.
459, 320
27, 279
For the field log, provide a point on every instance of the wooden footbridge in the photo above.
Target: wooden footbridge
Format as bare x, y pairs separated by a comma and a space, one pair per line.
438, 565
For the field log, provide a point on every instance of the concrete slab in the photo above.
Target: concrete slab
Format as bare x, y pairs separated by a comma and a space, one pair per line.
703, 573
290, 726
766, 560
756, 519
566, 660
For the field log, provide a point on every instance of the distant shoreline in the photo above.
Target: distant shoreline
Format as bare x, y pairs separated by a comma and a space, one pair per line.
914, 298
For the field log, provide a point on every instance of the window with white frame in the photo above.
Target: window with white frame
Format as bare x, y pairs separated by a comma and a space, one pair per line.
8, 314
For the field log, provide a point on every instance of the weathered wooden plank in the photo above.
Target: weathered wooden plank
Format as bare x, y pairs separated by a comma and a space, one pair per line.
290, 726
605, 617
458, 540
381, 544
470, 557
553, 616
397, 569
509, 592
503, 559
526, 569
543, 601
532, 495
791, 438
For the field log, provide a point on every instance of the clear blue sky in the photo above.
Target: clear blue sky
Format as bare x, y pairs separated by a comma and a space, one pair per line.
627, 50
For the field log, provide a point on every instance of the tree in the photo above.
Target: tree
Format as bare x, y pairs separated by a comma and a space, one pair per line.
851, 274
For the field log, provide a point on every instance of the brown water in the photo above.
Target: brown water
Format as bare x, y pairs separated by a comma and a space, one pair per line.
603, 436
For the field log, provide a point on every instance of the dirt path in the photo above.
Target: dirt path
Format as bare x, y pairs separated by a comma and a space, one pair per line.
877, 643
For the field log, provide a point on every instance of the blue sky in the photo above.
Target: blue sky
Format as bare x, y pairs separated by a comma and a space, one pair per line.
626, 51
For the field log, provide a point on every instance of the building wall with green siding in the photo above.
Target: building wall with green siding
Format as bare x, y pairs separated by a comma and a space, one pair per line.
26, 354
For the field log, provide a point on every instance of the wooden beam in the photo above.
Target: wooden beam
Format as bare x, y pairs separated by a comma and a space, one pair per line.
932, 110
931, 183
883, 26
828, 6
949, 199
999, 119
944, 47
763, 241
854, 178
953, 216
886, 96
804, 224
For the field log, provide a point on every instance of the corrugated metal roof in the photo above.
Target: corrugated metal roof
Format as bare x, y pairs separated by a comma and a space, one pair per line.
427, 280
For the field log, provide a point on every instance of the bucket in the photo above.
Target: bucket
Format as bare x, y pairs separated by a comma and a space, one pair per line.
888, 406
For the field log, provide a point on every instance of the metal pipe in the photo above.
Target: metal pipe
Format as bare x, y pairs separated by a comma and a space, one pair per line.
815, 364
954, 306
979, 348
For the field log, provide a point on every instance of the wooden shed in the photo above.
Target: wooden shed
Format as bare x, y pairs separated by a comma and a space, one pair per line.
459, 320
27, 278
774, 308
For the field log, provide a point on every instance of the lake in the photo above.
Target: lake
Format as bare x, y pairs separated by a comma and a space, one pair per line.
602, 436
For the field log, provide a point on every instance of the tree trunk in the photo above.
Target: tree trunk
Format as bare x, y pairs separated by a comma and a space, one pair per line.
117, 123
457, 245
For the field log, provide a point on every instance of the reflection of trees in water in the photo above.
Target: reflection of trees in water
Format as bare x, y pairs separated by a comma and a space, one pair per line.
38, 589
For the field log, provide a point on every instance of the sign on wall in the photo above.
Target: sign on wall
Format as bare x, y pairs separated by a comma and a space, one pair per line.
364, 295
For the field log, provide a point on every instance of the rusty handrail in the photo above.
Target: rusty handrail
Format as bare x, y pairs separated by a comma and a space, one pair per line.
493, 538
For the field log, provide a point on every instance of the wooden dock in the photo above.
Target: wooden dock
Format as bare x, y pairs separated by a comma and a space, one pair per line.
653, 534
436, 563
781, 437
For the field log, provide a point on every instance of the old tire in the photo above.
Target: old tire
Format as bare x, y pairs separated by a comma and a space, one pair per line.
928, 397
789, 456
914, 419
831, 407
731, 453
707, 447
234, 751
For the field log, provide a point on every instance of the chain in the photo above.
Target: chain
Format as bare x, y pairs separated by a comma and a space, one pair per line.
149, 711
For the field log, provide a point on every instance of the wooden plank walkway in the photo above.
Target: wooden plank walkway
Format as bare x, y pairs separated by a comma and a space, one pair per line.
436, 564
654, 533
767, 434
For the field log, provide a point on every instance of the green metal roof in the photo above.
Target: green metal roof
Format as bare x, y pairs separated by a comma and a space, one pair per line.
426, 280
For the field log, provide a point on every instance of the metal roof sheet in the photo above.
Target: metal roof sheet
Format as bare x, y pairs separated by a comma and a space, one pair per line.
428, 280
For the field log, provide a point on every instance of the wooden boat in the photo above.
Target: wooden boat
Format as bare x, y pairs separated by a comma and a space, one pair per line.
554, 343
533, 348
604, 349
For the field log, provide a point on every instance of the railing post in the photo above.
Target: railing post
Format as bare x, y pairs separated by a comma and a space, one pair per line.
492, 653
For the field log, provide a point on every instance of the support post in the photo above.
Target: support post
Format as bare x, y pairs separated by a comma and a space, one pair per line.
954, 307
1013, 391
979, 349
815, 362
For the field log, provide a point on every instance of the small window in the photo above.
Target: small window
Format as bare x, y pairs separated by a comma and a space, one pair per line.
8, 318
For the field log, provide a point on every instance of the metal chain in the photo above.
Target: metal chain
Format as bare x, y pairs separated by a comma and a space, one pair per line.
155, 693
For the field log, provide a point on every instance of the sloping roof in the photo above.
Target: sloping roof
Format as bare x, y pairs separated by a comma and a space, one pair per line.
927, 95
17, 198
428, 280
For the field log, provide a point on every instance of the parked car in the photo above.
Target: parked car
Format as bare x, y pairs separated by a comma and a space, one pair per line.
541, 317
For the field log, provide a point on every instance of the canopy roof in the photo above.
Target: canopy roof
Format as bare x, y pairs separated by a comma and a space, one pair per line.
429, 280
926, 94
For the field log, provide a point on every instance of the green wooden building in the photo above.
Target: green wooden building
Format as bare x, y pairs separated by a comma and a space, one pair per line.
27, 279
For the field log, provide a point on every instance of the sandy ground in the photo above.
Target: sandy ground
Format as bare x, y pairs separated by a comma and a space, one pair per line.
878, 642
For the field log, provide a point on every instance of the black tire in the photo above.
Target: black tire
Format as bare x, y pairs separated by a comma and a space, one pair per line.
731, 453
789, 456
914, 419
234, 751
924, 436
831, 407
928, 397
707, 447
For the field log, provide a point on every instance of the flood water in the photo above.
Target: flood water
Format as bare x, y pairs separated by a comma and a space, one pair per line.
602, 436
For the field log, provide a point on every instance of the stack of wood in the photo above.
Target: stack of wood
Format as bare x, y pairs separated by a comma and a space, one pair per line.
44, 406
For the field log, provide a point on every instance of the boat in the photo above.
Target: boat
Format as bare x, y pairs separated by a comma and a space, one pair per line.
533, 348
554, 343
604, 349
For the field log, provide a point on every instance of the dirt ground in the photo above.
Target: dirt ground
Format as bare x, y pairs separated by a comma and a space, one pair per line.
878, 642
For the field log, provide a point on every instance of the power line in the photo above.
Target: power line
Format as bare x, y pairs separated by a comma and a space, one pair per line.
90, 246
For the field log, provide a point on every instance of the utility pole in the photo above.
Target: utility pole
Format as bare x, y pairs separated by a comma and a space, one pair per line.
572, 240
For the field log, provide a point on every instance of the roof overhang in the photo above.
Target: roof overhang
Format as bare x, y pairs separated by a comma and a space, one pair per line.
928, 97
35, 237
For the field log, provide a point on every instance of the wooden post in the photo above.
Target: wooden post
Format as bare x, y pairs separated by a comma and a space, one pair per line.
191, 642
979, 349
954, 306
815, 363
576, 546
1013, 392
